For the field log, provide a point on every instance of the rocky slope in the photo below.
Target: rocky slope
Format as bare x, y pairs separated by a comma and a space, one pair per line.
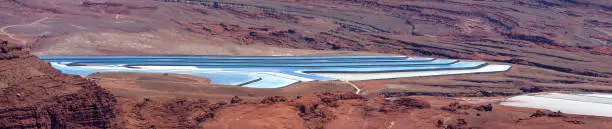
564, 36
348, 110
553, 45
34, 95
340, 110
558, 35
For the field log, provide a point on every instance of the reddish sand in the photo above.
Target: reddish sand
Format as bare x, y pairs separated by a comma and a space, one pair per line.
553, 46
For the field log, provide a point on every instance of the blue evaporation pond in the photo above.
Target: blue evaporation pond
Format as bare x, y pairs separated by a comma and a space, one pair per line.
458, 65
306, 75
84, 71
221, 78
271, 81
247, 69
111, 60
222, 57
120, 61
226, 78
268, 64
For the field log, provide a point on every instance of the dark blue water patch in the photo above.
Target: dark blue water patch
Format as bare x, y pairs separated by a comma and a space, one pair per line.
455, 66
280, 65
366, 69
119, 61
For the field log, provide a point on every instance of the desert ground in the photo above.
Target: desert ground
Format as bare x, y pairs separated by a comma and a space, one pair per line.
551, 46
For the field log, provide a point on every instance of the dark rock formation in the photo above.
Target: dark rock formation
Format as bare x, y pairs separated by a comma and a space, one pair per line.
313, 111
455, 106
331, 99
540, 113
235, 99
403, 103
273, 99
488, 107
166, 113
575, 121
532, 89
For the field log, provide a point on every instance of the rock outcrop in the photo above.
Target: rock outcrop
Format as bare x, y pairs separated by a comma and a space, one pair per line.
402, 104
37, 96
179, 113
535, 33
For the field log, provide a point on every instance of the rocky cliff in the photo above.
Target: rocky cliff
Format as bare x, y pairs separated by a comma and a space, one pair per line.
34, 95
565, 36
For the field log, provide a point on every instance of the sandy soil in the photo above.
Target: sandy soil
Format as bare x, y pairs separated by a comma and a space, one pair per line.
553, 46
165, 42
42, 96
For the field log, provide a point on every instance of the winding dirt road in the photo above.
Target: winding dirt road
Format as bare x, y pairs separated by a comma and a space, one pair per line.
12, 36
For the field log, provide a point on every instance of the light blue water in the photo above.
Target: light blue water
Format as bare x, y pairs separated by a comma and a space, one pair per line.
266, 64
112, 60
221, 78
233, 79
248, 69
271, 81
222, 57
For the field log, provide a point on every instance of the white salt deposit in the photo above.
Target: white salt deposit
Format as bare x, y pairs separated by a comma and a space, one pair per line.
371, 76
571, 103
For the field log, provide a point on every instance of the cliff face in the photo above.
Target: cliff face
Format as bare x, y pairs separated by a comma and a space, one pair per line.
563, 36
568, 36
34, 95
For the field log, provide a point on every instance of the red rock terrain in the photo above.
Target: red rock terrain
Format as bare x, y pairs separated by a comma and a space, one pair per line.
564, 36
34, 95
348, 110
535, 33
553, 46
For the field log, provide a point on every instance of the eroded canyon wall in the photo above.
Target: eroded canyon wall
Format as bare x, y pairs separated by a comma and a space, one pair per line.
34, 95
